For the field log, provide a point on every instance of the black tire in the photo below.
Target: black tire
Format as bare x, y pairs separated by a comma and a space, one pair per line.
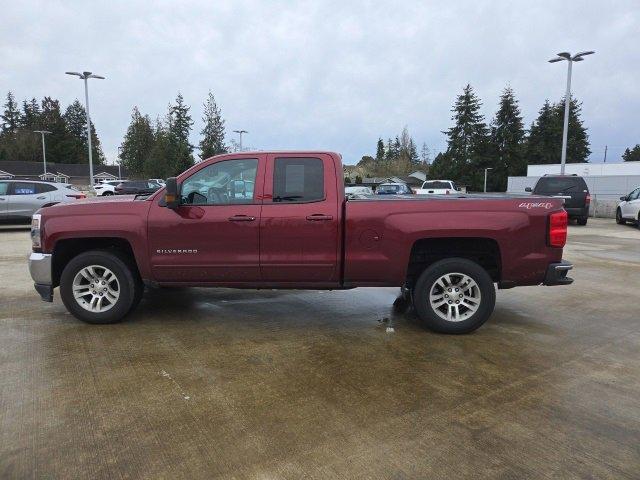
106, 194
619, 219
430, 276
130, 286
582, 220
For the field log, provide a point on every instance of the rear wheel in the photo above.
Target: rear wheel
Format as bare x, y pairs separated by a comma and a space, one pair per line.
582, 220
454, 295
99, 287
106, 194
619, 219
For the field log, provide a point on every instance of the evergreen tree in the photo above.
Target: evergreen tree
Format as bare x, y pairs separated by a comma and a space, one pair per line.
137, 145
161, 161
30, 118
60, 143
11, 115
425, 154
632, 155
467, 144
389, 153
179, 127
212, 142
507, 138
76, 118
380, 153
544, 144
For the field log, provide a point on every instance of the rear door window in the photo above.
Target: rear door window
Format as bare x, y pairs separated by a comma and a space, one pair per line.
24, 188
4, 188
560, 185
298, 180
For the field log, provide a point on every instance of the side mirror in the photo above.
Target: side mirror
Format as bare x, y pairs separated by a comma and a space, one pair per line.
528, 189
624, 199
172, 193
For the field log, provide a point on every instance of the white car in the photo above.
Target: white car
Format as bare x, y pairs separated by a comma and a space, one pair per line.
159, 181
19, 199
352, 192
437, 187
629, 208
107, 188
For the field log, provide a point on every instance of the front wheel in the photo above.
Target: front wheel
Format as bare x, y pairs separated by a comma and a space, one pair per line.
106, 194
619, 219
454, 295
99, 287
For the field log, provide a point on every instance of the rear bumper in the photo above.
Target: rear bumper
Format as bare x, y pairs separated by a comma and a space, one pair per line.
40, 270
577, 211
557, 274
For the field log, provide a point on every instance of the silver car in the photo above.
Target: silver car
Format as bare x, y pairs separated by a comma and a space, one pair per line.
19, 199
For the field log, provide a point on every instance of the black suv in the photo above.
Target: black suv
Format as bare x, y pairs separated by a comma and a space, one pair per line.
572, 188
137, 187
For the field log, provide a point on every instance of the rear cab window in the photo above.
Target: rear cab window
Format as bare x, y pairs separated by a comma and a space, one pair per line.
298, 180
435, 185
548, 185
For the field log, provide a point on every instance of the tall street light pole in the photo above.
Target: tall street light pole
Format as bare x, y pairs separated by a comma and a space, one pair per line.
485, 178
86, 76
240, 132
44, 149
562, 56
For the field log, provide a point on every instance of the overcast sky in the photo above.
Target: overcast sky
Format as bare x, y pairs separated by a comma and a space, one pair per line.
326, 75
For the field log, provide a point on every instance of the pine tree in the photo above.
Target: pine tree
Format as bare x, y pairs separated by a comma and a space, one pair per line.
179, 128
30, 118
60, 143
380, 153
212, 142
632, 155
425, 154
507, 138
389, 151
467, 142
137, 145
11, 115
544, 144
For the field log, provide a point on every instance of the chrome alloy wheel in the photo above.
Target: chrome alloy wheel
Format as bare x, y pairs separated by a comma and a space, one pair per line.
455, 297
96, 288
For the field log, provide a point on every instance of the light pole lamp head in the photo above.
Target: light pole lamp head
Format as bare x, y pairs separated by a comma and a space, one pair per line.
578, 56
43, 132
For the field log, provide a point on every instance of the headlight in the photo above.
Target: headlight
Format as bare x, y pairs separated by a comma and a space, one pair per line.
36, 241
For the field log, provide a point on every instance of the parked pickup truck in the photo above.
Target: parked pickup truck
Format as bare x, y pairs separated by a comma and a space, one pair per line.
281, 220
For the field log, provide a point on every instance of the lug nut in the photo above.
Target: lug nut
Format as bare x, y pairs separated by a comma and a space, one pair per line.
450, 301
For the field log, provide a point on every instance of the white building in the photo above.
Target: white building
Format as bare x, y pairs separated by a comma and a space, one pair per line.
586, 169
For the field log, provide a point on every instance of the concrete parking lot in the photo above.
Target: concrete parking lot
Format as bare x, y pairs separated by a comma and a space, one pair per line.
220, 383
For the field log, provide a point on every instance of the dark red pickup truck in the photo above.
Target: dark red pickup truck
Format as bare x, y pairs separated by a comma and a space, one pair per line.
281, 220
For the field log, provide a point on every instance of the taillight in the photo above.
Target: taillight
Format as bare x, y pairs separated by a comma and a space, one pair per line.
588, 199
77, 196
558, 229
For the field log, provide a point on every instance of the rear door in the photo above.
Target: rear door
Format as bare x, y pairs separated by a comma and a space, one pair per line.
299, 231
574, 189
24, 199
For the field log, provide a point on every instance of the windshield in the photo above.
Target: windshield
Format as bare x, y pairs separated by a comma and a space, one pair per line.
434, 184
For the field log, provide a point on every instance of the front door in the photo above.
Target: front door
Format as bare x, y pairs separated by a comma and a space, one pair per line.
299, 224
213, 236
631, 208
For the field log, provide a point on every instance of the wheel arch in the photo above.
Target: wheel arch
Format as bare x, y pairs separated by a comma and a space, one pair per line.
481, 250
66, 249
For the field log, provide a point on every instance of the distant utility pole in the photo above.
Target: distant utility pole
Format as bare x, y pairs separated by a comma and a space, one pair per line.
86, 76
485, 178
605, 153
567, 98
240, 132
44, 149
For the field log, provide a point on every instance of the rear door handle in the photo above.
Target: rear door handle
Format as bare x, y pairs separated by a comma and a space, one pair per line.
42, 198
318, 217
241, 218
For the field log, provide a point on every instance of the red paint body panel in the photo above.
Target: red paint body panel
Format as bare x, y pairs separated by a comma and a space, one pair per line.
322, 244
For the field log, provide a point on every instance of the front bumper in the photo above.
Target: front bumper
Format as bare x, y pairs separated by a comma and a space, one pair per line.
557, 274
40, 270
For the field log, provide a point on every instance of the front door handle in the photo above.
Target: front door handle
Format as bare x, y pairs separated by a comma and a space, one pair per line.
318, 217
241, 218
